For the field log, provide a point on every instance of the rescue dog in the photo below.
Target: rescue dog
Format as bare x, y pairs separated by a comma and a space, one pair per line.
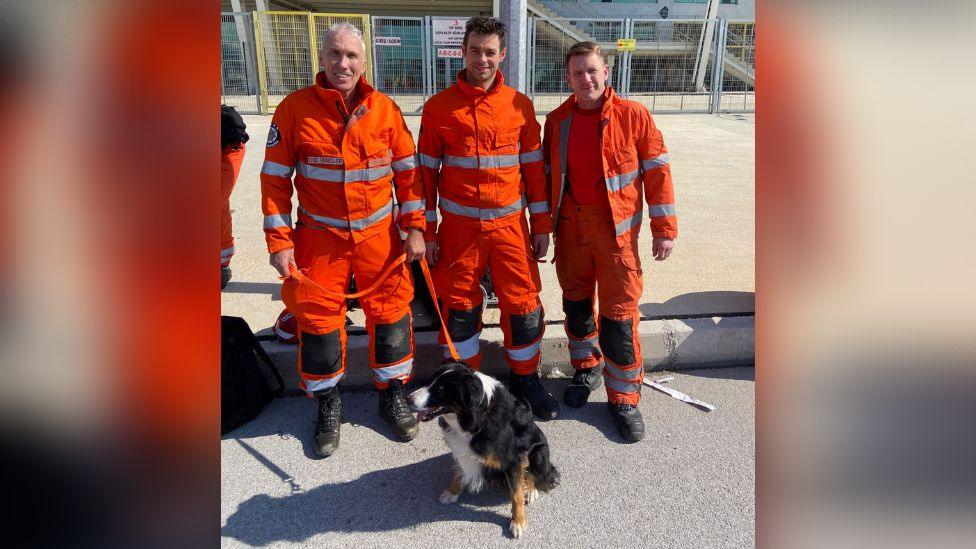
492, 436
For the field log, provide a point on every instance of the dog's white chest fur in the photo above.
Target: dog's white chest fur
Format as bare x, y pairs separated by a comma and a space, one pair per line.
470, 463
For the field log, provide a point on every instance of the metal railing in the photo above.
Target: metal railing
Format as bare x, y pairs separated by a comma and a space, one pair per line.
677, 65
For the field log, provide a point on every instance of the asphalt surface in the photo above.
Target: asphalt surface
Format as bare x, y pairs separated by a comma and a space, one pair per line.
689, 483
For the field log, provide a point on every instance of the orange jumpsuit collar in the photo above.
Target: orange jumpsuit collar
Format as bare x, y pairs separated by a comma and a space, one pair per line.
470, 90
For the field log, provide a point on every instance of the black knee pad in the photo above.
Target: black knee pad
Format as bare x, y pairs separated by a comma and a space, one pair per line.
579, 317
463, 325
526, 328
392, 341
321, 354
617, 340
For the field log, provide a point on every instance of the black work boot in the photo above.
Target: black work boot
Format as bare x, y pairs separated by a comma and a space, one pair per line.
224, 277
327, 426
629, 422
585, 381
394, 409
543, 405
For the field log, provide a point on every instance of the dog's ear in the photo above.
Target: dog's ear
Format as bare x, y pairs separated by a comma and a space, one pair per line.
473, 406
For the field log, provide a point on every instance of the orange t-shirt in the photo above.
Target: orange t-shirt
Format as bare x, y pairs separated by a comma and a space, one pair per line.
585, 163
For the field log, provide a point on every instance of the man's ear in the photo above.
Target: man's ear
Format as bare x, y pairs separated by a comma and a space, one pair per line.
502, 54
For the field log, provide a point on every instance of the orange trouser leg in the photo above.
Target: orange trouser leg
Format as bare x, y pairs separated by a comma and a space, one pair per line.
326, 258
587, 258
230, 168
387, 308
457, 275
329, 260
515, 276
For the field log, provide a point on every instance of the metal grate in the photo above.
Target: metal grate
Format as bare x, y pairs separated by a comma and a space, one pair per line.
551, 39
399, 60
286, 53
664, 69
739, 67
238, 80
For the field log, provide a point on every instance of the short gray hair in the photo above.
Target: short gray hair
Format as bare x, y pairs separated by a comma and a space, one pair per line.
344, 27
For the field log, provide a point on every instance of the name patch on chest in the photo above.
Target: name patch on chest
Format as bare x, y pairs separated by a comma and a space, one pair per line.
326, 160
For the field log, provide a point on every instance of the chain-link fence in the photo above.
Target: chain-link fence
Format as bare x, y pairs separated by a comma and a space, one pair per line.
400, 60
670, 65
238, 75
551, 39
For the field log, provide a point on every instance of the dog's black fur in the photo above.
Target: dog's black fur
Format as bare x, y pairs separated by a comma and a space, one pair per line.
512, 450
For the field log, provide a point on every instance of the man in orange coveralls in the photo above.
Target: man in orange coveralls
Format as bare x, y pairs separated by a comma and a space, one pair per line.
232, 139
480, 155
345, 140
603, 154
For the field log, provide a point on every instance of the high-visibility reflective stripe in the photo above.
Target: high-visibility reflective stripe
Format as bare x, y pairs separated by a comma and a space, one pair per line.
529, 157
312, 385
662, 210
340, 176
538, 207
466, 349
429, 161
524, 353
483, 162
621, 386
276, 169
412, 206
431, 216
277, 220
583, 348
353, 224
656, 162
404, 164
618, 182
627, 375
564, 143
322, 174
629, 223
227, 252
480, 213
368, 174
387, 373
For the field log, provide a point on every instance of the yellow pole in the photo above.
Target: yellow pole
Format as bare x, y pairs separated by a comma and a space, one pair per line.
313, 46
262, 79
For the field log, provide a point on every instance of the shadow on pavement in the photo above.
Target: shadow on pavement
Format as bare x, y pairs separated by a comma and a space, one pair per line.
696, 302
385, 500
272, 289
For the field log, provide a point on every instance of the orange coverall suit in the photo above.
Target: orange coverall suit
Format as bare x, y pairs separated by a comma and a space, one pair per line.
596, 245
344, 163
230, 168
480, 156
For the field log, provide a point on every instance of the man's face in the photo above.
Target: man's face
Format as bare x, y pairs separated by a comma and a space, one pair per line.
587, 75
343, 60
482, 54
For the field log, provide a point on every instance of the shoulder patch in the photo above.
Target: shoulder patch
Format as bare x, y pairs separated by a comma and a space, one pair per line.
274, 136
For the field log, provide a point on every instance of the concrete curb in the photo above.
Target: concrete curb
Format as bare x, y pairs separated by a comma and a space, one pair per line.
667, 344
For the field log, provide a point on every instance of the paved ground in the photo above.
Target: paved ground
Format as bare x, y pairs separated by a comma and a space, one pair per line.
690, 483
711, 272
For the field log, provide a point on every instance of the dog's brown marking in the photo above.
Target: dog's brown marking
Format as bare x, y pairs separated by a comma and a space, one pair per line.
455, 487
516, 490
491, 461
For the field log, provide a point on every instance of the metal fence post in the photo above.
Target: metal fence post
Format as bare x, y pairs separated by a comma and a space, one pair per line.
313, 50
718, 67
262, 79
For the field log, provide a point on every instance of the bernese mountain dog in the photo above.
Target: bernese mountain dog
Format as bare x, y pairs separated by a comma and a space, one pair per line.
492, 436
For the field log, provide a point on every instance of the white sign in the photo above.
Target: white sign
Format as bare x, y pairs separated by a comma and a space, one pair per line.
449, 32
449, 53
387, 40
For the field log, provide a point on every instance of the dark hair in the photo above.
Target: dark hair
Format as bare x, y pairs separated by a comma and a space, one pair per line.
584, 48
485, 25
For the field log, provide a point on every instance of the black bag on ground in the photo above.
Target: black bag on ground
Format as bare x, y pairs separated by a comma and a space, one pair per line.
231, 127
244, 386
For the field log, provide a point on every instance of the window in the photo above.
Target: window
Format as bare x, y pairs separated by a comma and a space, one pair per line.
729, 2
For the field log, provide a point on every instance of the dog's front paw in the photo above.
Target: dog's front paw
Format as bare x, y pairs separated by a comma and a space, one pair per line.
517, 529
532, 495
448, 497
